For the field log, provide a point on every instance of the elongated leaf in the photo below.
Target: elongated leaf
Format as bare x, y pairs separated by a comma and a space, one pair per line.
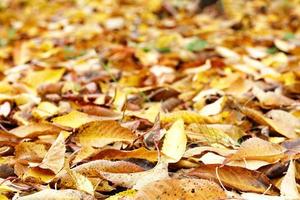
50, 194
175, 142
101, 133
237, 178
187, 188
55, 157
258, 149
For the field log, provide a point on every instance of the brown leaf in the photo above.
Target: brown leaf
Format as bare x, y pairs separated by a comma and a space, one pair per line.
258, 149
34, 130
95, 169
138, 179
55, 157
30, 152
114, 154
237, 178
186, 188
274, 125
101, 133
50, 194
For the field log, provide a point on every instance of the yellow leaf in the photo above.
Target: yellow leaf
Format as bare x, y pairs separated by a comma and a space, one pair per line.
175, 142
55, 157
74, 119
45, 109
139, 179
82, 183
186, 188
35, 78
187, 116
288, 188
236, 177
101, 133
41, 175
57, 195
35, 129
258, 149
123, 195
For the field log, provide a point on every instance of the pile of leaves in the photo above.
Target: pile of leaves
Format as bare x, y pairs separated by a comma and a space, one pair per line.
156, 99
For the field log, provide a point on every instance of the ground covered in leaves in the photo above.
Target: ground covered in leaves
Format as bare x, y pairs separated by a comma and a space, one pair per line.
156, 99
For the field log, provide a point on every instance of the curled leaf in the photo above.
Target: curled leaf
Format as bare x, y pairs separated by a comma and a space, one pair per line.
101, 133
236, 177
186, 188
175, 142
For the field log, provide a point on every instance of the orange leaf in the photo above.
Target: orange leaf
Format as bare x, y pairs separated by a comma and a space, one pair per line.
186, 188
101, 133
237, 178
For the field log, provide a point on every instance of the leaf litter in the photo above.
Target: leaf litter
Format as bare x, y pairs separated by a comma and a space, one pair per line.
156, 99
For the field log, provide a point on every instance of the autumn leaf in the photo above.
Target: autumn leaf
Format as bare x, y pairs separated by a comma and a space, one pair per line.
139, 179
258, 149
186, 188
237, 178
57, 195
55, 157
101, 133
288, 187
175, 142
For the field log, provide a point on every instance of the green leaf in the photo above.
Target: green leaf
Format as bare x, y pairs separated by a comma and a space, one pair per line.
289, 36
196, 45
164, 50
272, 50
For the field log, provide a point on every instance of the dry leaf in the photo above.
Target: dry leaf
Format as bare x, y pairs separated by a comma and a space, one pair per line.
50, 194
113, 154
74, 119
175, 142
34, 130
186, 188
258, 149
288, 187
101, 133
55, 157
139, 179
237, 178
274, 125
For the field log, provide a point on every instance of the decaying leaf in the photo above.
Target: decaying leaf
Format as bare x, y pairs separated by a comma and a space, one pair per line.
275, 125
175, 142
288, 187
186, 188
237, 178
258, 149
55, 157
100, 133
74, 119
50, 194
139, 179
34, 130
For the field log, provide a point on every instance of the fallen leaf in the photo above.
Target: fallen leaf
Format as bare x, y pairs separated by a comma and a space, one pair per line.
101, 133
81, 182
237, 178
261, 119
113, 154
74, 119
139, 179
55, 157
258, 149
35, 78
50, 194
35, 129
288, 187
186, 188
175, 142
